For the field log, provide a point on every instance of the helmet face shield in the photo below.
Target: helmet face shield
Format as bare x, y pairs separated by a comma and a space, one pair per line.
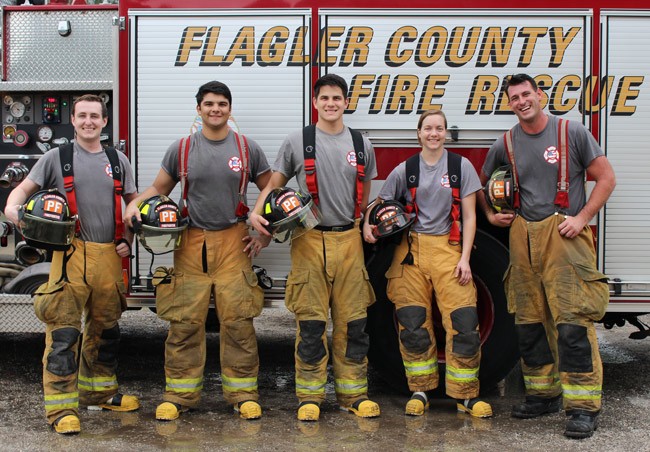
290, 214
500, 189
160, 242
162, 226
393, 224
389, 217
47, 232
45, 221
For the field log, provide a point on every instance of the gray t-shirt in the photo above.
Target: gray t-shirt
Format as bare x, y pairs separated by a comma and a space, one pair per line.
536, 160
336, 171
433, 194
214, 175
93, 180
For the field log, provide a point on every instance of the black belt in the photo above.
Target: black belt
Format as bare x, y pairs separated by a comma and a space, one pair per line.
345, 227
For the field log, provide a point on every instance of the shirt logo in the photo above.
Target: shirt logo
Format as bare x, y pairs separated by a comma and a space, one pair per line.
235, 164
108, 170
351, 158
551, 154
445, 181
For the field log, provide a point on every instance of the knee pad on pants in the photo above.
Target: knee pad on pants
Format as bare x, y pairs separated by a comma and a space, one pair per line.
533, 344
467, 342
358, 340
413, 337
61, 360
109, 345
311, 348
574, 348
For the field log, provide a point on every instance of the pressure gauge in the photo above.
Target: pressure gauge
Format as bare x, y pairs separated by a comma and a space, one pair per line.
8, 100
44, 133
17, 109
8, 132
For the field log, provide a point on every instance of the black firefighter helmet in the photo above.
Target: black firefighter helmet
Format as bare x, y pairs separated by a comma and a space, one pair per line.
46, 221
289, 213
162, 225
390, 217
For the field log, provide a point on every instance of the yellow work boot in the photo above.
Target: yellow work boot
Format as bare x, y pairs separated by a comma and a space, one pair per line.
67, 424
308, 411
248, 409
475, 407
119, 402
417, 405
364, 408
168, 411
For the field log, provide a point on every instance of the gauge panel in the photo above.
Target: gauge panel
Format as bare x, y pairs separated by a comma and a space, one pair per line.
35, 121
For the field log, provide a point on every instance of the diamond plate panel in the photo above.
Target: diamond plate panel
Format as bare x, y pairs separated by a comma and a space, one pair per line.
17, 315
38, 58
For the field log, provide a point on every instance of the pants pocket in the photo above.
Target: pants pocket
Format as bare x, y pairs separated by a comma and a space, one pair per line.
169, 294
121, 293
367, 292
395, 290
593, 290
254, 302
54, 303
297, 290
580, 291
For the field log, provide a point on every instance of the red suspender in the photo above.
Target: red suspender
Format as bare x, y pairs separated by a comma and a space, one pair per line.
119, 224
507, 138
183, 156
242, 144
454, 162
68, 185
309, 156
359, 149
562, 195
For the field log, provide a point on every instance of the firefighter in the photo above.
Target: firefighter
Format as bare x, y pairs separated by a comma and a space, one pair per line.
87, 279
214, 167
552, 284
431, 261
335, 165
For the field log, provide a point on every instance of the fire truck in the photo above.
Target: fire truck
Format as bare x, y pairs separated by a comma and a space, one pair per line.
146, 58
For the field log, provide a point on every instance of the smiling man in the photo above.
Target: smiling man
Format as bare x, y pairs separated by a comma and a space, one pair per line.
214, 259
553, 286
335, 165
93, 282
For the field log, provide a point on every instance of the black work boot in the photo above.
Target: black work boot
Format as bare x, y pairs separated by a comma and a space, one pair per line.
580, 423
535, 406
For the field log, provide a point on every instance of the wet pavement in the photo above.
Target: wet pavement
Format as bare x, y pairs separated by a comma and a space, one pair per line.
624, 424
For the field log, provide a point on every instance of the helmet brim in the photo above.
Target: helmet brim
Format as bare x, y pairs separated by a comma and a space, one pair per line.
47, 233
160, 240
394, 224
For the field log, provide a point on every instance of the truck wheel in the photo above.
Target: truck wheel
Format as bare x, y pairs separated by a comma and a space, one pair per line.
499, 351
